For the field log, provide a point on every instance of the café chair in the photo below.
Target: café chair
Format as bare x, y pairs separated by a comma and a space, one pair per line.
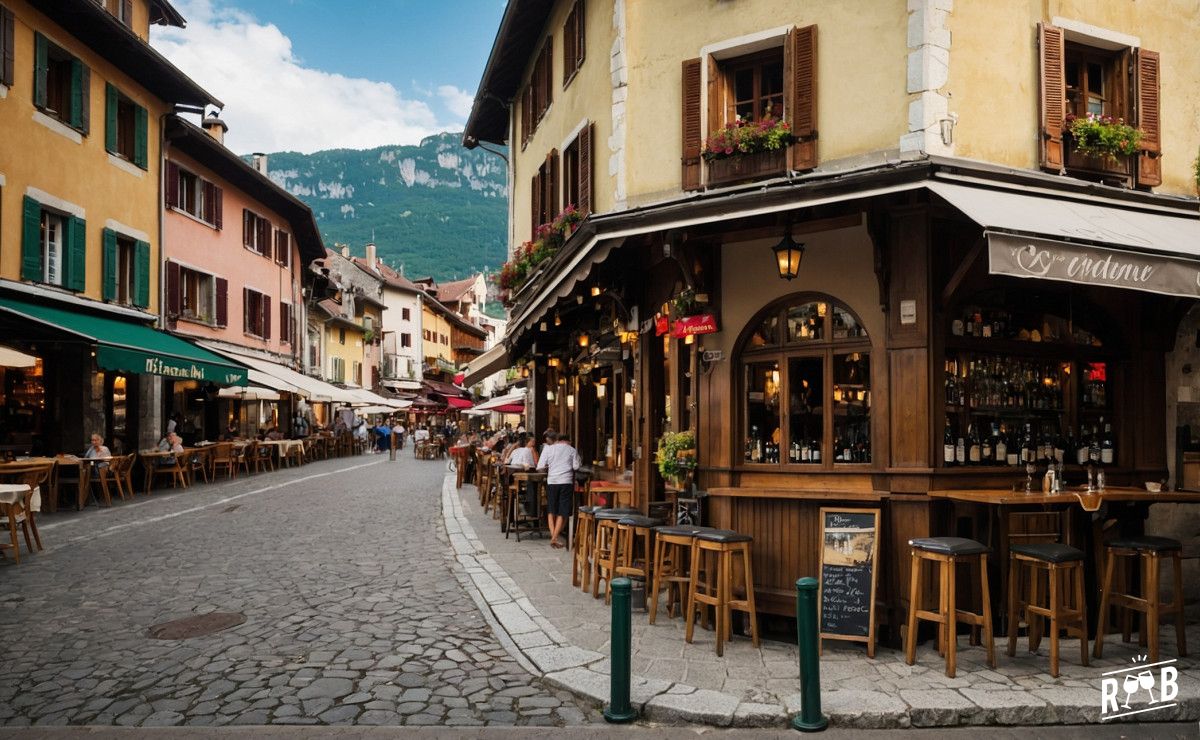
20, 512
120, 473
635, 535
294, 455
243, 454
1063, 566
947, 553
263, 456
1147, 553
16, 515
223, 456
672, 548
174, 470
716, 551
101, 475
606, 548
198, 462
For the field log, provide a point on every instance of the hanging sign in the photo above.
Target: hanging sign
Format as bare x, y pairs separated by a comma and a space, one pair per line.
661, 325
705, 323
849, 550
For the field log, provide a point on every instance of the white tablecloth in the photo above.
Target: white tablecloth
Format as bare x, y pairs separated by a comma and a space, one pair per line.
10, 493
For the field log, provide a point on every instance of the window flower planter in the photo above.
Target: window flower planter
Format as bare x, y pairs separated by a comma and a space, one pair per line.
1116, 168
745, 167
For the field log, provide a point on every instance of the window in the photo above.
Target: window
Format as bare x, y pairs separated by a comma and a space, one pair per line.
54, 229
539, 92
1092, 78
256, 233
283, 248
406, 340
61, 84
577, 171
126, 126
337, 369
356, 371
256, 310
197, 299
405, 314
194, 195
573, 42
53, 247
121, 9
444, 340
806, 386
544, 193
126, 269
7, 48
341, 336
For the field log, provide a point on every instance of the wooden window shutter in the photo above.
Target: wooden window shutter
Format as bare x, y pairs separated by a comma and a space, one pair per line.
585, 169
580, 33
692, 136
110, 118
247, 325
171, 184
127, 12
285, 322
80, 79
535, 203
222, 291
552, 190
174, 292
800, 96
77, 255
247, 229
264, 238
141, 137
1149, 170
7, 52
526, 114
716, 110
266, 317
141, 274
568, 47
1053, 97
216, 203
547, 74
41, 69
108, 266
31, 240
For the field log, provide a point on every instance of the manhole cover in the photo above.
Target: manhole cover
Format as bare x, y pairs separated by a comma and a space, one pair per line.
197, 626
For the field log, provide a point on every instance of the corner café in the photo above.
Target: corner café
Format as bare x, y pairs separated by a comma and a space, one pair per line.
859, 328
89, 376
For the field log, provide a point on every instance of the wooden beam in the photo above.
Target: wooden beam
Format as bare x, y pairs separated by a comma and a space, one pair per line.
960, 273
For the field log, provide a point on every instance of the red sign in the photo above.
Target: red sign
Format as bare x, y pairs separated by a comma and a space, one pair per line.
704, 323
661, 325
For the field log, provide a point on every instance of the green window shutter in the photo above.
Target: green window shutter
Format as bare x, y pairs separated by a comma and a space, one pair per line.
85, 97
108, 290
41, 68
141, 130
76, 94
77, 255
141, 274
31, 241
110, 118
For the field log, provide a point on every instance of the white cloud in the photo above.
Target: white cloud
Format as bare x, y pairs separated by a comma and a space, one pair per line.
273, 102
457, 101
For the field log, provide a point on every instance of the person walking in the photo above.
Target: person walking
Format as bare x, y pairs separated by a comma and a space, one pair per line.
560, 461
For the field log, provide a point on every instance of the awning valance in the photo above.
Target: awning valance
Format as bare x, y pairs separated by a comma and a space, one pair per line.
131, 347
283, 378
455, 402
494, 360
1034, 236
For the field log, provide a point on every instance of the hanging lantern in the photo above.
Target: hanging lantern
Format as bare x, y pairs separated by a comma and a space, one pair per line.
788, 254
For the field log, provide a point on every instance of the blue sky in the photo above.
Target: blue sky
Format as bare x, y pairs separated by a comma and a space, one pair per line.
316, 74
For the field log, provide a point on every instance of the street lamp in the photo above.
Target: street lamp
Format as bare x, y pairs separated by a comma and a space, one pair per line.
788, 254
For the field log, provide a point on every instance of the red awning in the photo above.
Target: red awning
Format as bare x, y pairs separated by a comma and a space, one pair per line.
458, 403
511, 408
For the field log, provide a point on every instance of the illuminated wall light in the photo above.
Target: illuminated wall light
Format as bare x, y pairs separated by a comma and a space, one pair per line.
584, 340
571, 401
595, 291
557, 320
629, 399
550, 396
600, 391
689, 339
552, 362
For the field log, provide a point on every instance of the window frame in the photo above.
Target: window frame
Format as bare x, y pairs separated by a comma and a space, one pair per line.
253, 314
202, 287
63, 226
754, 61
782, 351
126, 269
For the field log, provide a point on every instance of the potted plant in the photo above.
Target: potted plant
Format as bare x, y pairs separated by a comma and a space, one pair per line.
676, 457
529, 256
1196, 171
1101, 143
746, 149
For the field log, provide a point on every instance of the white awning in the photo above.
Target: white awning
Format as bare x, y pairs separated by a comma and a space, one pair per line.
248, 393
402, 385
368, 398
280, 377
10, 357
494, 360
495, 403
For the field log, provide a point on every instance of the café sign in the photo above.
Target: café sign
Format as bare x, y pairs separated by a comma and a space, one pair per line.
705, 323
1047, 259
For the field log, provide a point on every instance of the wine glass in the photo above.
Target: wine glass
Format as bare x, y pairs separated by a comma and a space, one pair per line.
1130, 687
1146, 681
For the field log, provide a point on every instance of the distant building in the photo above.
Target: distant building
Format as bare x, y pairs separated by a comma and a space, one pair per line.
403, 345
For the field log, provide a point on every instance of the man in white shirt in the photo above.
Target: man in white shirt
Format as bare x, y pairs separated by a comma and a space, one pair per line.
560, 461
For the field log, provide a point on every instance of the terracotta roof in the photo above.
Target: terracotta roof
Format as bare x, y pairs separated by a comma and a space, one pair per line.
388, 275
451, 292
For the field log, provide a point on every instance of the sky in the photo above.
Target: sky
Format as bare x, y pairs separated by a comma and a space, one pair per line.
308, 75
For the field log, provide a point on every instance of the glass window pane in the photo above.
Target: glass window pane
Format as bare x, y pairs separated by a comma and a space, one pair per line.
762, 411
845, 326
806, 323
852, 408
772, 78
743, 84
806, 413
766, 334
1095, 78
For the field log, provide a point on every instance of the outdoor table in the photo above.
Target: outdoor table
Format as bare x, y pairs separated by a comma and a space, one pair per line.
150, 460
283, 447
84, 479
10, 495
622, 493
21, 464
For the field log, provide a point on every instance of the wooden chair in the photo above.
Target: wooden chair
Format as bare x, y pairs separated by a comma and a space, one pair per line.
947, 553
173, 467
16, 515
35, 477
102, 475
672, 546
723, 547
243, 455
606, 550
124, 473
581, 551
197, 462
223, 457
294, 455
1147, 553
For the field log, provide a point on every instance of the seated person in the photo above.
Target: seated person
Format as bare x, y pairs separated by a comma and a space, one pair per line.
525, 456
170, 443
517, 444
231, 431
97, 450
274, 434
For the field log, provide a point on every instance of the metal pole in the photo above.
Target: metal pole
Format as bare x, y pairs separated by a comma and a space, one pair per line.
810, 718
392, 447
619, 710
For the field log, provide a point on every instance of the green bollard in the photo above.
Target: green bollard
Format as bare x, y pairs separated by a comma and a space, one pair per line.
619, 710
810, 718
392, 448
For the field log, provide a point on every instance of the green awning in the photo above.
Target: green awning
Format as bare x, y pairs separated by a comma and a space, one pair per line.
134, 348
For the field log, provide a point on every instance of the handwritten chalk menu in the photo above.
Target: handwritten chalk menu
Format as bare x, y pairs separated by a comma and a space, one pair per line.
849, 547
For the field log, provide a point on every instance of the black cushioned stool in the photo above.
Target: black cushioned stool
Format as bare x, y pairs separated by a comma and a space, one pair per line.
1063, 566
1148, 552
948, 552
606, 547
721, 546
672, 546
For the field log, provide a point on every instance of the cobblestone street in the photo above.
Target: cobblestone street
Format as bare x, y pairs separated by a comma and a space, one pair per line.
354, 612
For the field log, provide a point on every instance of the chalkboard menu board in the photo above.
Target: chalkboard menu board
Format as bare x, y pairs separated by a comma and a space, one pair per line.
849, 546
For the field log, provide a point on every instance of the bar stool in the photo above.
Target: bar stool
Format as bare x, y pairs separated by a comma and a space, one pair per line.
672, 545
949, 552
606, 547
635, 533
585, 542
1063, 566
721, 546
1149, 551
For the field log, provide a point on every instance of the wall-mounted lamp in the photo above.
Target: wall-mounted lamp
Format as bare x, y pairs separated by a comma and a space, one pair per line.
689, 339
788, 254
552, 362
571, 401
595, 291
584, 340
557, 320
524, 371
629, 399
600, 390
550, 396
542, 326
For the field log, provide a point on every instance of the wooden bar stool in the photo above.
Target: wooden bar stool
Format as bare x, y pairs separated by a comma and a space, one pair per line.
585, 542
672, 546
721, 546
635, 535
1149, 552
948, 552
606, 547
1063, 566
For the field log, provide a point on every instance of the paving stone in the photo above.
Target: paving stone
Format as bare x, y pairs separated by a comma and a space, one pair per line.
330, 688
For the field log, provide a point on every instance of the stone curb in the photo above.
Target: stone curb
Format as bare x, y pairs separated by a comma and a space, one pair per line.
535, 643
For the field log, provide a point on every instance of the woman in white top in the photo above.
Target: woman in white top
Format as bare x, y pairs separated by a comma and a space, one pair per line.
525, 456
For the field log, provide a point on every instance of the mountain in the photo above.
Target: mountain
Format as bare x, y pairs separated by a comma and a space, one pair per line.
436, 208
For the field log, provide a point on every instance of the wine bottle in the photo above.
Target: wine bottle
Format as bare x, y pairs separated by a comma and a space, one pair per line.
1107, 451
1094, 445
974, 453
1001, 446
960, 452
1081, 452
816, 451
948, 458
985, 453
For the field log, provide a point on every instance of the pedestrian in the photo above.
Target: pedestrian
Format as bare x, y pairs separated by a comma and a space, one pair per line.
383, 437
560, 461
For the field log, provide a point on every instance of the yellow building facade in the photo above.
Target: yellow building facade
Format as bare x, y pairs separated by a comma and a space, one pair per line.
435, 336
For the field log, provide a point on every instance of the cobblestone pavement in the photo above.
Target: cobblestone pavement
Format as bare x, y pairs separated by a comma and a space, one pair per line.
354, 611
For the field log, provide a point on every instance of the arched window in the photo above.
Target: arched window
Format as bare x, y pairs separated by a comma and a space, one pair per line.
805, 386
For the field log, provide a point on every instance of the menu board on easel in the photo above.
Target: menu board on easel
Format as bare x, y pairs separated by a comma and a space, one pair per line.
849, 549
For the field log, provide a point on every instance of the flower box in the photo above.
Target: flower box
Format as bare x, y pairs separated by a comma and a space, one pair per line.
1118, 167
741, 168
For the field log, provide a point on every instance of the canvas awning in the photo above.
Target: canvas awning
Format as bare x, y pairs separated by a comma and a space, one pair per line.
10, 357
369, 398
508, 399
1048, 238
249, 393
283, 378
457, 402
494, 360
132, 347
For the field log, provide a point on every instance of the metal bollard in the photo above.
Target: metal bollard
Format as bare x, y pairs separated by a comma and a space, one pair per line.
810, 718
392, 448
619, 710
